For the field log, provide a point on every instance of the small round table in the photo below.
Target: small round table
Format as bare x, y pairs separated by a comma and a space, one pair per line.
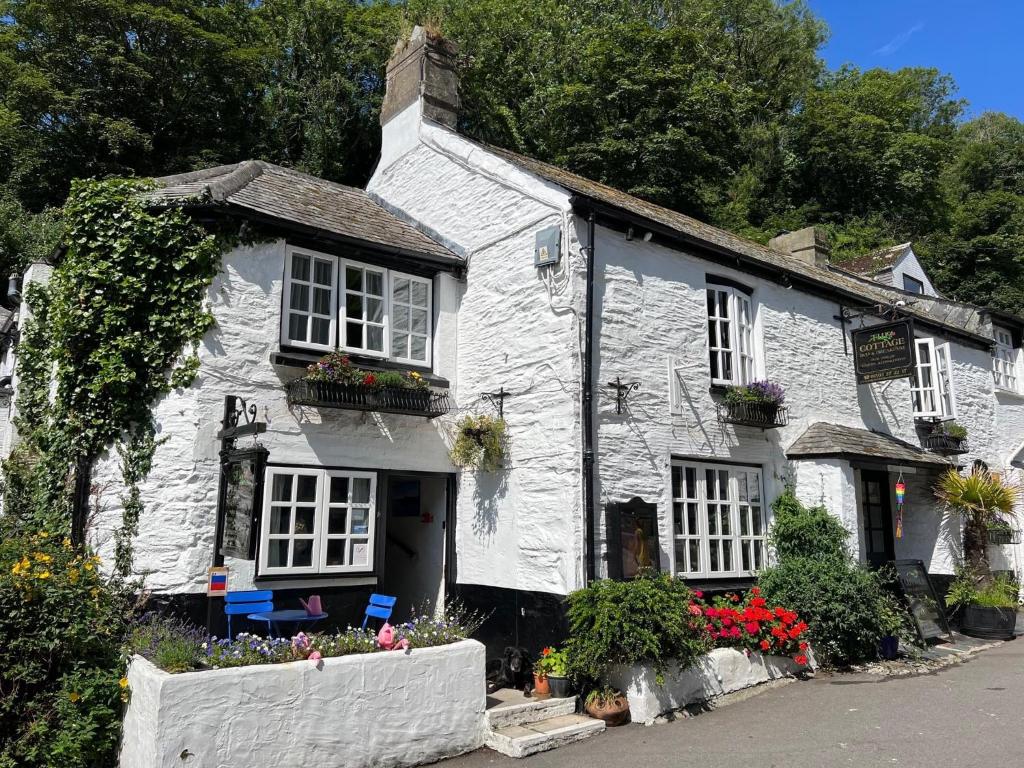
295, 616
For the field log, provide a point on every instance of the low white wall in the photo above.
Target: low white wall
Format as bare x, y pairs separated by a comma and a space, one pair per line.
384, 709
721, 671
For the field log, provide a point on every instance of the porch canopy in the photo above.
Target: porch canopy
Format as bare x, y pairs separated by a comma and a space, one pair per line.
822, 439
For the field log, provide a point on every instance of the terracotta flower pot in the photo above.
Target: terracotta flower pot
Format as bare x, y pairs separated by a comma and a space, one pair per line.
614, 711
540, 685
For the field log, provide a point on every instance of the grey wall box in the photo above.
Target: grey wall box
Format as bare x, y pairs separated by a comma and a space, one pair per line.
547, 248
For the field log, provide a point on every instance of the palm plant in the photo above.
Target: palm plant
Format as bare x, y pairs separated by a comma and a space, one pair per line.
981, 498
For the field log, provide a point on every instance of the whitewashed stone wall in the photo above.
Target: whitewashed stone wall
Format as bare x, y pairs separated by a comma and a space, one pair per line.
518, 327
176, 537
380, 709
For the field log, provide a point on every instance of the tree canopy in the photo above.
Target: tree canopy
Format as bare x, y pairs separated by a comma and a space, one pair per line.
722, 109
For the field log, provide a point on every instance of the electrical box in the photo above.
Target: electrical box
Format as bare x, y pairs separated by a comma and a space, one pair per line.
548, 247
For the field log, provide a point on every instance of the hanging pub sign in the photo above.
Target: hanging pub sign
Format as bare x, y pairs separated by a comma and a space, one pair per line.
883, 352
241, 497
632, 530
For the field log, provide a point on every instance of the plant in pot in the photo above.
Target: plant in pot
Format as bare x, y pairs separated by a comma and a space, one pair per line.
891, 621
758, 401
1000, 532
541, 668
554, 666
607, 704
985, 604
479, 443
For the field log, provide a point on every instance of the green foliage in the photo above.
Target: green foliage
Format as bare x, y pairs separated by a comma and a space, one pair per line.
980, 497
479, 442
61, 628
844, 604
552, 663
631, 622
971, 588
801, 532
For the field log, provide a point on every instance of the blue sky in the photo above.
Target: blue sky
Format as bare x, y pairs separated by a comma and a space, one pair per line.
979, 43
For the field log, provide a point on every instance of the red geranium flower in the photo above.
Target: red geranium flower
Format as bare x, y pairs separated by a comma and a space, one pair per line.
734, 597
755, 591
369, 379
735, 631
698, 594
803, 646
753, 627
765, 645
801, 660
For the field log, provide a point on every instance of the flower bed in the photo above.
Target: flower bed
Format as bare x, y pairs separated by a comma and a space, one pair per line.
382, 708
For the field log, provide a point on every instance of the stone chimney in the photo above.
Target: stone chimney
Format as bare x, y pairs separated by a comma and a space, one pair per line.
809, 244
422, 68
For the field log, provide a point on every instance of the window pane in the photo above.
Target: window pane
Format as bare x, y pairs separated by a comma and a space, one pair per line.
304, 517
336, 551
299, 297
419, 294
277, 554
375, 338
375, 310
401, 292
418, 349
677, 519
337, 520
713, 333
677, 482
360, 520
711, 302
280, 520
726, 555
727, 365
419, 321
296, 327
353, 279
714, 365
758, 555
375, 283
300, 267
680, 557
360, 552
321, 330
354, 306
713, 519
400, 318
353, 334
282, 488
323, 273
744, 521
745, 550
691, 518
302, 555
307, 488
694, 555
755, 515
691, 482
339, 489
399, 344
321, 301
723, 484
723, 304
713, 552
725, 527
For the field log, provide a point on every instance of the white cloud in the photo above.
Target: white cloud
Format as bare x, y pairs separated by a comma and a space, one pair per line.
899, 41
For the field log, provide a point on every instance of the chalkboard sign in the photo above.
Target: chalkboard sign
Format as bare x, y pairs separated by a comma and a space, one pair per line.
241, 497
632, 531
925, 606
883, 352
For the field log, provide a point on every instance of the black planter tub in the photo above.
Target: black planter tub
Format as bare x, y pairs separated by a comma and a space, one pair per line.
989, 623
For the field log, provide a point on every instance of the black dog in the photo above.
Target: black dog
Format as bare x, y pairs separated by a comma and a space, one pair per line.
516, 671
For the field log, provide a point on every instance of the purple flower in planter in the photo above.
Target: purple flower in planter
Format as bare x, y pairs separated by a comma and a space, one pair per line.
767, 392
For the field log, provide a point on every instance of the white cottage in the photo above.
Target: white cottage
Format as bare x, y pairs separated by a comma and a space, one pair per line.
606, 330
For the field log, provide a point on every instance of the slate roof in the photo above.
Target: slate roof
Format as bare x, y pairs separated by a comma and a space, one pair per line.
872, 264
688, 228
298, 198
824, 439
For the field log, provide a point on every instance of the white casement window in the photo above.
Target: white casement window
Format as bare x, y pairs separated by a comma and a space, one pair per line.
1004, 362
410, 318
717, 520
932, 386
730, 336
317, 521
308, 318
333, 303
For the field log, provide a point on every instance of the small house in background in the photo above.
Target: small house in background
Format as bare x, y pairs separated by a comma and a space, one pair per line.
896, 267
610, 334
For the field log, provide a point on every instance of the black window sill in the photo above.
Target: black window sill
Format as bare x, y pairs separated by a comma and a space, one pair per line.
291, 358
719, 390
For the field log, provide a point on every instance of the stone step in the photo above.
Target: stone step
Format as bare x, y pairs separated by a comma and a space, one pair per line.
523, 740
522, 711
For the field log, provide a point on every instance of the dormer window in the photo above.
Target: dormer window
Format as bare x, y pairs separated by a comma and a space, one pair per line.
333, 303
1004, 361
730, 333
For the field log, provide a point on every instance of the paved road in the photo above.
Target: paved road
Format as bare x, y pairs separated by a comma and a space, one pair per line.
966, 716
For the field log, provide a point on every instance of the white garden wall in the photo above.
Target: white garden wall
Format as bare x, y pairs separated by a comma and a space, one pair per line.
394, 708
723, 670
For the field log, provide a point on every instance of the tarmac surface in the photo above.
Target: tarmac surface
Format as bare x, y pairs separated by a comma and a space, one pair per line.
963, 716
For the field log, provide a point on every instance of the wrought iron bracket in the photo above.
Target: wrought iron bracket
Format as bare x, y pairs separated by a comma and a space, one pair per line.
239, 420
497, 399
622, 390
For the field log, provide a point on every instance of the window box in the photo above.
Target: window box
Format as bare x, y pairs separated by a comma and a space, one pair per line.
763, 415
359, 397
1003, 534
945, 445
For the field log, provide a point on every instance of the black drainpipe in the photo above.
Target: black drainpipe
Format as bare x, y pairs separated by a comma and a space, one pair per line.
588, 406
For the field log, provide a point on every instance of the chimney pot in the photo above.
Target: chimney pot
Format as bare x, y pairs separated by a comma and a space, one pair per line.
422, 69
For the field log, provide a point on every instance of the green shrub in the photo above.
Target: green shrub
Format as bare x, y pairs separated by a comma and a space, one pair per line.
629, 622
801, 532
61, 629
845, 605
970, 589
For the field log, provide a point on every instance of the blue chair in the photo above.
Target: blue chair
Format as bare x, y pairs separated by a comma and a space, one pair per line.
257, 601
380, 607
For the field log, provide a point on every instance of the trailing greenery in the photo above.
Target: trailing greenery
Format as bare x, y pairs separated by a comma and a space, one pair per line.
479, 443
644, 620
844, 604
113, 331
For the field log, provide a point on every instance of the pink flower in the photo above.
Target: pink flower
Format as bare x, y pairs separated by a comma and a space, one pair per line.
694, 610
698, 594
402, 645
314, 656
735, 631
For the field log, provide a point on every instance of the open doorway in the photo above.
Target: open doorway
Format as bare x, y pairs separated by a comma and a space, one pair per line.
414, 555
876, 510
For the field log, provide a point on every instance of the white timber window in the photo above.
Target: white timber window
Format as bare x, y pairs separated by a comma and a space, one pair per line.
317, 521
932, 386
1004, 361
730, 335
333, 303
718, 520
